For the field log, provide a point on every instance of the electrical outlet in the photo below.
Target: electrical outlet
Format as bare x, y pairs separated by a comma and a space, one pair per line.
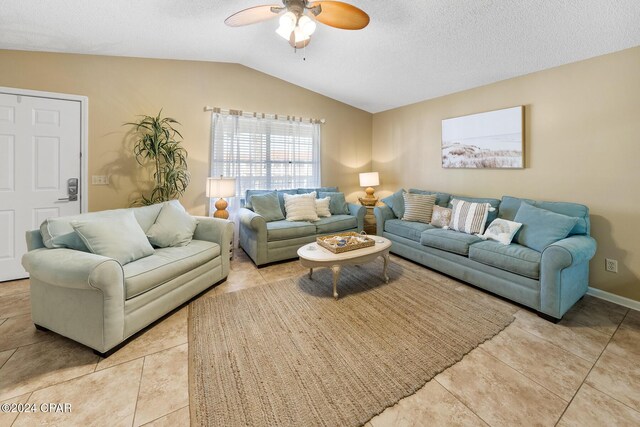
611, 265
99, 180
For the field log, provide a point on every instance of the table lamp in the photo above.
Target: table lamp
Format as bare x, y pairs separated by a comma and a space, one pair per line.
369, 180
221, 187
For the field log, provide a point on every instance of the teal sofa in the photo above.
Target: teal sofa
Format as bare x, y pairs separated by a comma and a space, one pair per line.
270, 241
98, 302
549, 282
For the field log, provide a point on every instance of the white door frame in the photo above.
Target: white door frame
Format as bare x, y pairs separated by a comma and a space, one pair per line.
84, 133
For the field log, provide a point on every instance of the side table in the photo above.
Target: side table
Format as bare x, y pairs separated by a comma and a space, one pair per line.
370, 225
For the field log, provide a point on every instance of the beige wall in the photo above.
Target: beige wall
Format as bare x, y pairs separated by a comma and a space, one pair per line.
582, 124
582, 131
121, 88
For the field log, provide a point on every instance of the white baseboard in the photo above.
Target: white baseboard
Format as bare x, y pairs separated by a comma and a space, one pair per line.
617, 299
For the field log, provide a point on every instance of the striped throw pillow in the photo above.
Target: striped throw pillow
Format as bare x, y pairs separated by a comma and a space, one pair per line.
469, 217
418, 207
301, 207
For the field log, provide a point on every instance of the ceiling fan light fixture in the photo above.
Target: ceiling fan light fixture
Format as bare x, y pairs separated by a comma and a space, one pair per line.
300, 35
307, 25
288, 21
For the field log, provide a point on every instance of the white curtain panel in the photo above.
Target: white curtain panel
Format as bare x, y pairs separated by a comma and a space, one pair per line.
264, 153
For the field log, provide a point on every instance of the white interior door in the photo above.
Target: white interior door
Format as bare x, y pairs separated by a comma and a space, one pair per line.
40, 142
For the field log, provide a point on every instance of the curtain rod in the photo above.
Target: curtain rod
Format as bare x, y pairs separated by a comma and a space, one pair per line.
262, 115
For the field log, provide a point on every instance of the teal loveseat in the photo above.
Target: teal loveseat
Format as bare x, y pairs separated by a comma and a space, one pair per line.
549, 282
270, 241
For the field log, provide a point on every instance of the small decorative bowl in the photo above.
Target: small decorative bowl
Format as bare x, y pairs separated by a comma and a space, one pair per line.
341, 242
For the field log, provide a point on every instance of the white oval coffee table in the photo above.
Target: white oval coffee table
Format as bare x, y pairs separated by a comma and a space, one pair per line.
313, 256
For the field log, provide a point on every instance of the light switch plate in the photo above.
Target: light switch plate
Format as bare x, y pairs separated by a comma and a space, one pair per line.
99, 180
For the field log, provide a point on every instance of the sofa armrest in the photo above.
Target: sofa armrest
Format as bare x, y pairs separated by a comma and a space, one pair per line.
253, 235
564, 273
77, 294
252, 220
359, 212
382, 214
69, 268
570, 251
218, 231
34, 240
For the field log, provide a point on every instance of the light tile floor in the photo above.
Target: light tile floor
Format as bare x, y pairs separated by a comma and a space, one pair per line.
583, 371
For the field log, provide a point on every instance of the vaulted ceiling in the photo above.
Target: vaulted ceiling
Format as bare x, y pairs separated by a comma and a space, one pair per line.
411, 50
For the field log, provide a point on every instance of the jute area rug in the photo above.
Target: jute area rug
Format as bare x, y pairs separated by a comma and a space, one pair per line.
288, 354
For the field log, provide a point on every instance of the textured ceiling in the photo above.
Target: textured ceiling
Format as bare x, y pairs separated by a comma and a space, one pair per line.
411, 50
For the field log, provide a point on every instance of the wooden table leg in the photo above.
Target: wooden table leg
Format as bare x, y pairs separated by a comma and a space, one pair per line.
336, 275
311, 273
386, 264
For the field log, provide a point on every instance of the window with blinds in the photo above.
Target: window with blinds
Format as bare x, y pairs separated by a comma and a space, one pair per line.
265, 153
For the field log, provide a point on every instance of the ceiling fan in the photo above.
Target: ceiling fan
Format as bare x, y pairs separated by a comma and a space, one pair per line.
298, 18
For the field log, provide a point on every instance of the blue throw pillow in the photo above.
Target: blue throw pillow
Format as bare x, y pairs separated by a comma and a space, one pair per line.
541, 227
396, 203
268, 206
338, 204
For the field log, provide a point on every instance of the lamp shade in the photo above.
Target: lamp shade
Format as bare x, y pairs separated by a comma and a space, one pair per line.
369, 179
221, 187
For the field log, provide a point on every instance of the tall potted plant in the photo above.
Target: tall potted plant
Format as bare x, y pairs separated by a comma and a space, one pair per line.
157, 145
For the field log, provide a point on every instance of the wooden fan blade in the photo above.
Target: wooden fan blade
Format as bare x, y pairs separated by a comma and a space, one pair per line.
341, 15
253, 15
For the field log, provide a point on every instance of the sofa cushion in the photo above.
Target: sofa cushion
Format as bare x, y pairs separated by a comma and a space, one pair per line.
317, 190
173, 227
336, 223
441, 217
502, 231
418, 207
495, 203
469, 217
166, 264
284, 230
301, 207
510, 205
337, 204
541, 227
396, 203
58, 232
119, 237
322, 207
514, 258
267, 206
407, 229
442, 199
449, 240
250, 193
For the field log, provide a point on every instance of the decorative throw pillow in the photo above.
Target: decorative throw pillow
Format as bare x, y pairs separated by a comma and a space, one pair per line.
469, 217
322, 207
173, 227
301, 207
338, 204
541, 227
119, 237
267, 206
440, 216
502, 230
396, 203
418, 207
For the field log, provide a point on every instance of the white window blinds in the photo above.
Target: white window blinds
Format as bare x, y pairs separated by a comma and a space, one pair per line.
265, 153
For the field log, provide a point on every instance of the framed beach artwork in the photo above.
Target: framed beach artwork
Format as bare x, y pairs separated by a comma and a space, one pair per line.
491, 140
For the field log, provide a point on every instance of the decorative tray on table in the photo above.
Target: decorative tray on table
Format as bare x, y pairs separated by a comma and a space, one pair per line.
344, 242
